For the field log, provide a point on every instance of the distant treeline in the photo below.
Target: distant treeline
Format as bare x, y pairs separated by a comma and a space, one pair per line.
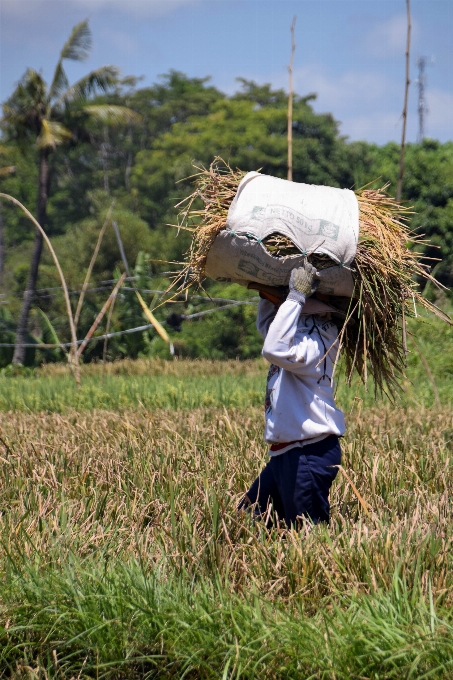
143, 165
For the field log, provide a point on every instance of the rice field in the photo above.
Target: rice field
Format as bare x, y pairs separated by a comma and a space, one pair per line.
188, 384
122, 554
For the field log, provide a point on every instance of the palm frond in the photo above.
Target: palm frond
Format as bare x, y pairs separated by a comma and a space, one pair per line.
49, 334
78, 44
30, 81
113, 115
52, 134
60, 82
96, 82
6, 150
23, 111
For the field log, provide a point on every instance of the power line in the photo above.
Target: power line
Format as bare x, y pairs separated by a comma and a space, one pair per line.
138, 329
107, 282
182, 298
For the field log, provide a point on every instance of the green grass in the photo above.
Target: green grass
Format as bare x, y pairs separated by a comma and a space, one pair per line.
57, 394
187, 384
125, 622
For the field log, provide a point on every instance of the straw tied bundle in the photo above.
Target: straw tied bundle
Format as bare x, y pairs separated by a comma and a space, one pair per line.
385, 271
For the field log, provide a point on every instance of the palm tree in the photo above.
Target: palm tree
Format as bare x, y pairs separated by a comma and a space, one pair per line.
5, 170
46, 117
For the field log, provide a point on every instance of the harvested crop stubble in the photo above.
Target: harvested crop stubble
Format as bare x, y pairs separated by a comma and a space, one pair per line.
386, 269
124, 555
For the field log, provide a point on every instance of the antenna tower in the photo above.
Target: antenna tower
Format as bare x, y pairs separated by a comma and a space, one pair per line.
422, 105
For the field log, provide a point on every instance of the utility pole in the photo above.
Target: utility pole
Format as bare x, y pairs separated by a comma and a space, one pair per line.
399, 186
290, 104
2, 247
422, 106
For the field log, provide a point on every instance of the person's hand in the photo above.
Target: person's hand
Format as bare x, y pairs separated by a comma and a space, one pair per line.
303, 282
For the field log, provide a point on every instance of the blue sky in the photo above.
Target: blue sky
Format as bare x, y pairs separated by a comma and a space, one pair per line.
350, 52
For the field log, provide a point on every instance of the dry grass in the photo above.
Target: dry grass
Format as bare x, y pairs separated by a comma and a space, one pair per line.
123, 554
387, 267
216, 188
181, 368
386, 270
149, 484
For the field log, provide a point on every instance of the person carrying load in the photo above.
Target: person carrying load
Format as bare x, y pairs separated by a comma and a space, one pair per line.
303, 424
260, 231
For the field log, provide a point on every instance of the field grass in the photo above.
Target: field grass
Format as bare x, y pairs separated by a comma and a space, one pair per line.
148, 384
182, 384
122, 554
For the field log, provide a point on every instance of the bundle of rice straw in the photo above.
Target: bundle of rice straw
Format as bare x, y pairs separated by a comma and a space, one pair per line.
386, 269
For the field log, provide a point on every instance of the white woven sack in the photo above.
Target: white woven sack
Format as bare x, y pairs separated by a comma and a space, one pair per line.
315, 218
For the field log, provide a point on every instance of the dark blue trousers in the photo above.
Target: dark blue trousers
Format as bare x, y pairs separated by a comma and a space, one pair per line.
296, 483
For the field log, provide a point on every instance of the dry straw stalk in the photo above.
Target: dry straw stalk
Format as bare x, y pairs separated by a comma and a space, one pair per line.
386, 269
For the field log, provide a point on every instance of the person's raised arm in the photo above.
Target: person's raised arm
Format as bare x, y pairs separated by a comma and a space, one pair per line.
279, 347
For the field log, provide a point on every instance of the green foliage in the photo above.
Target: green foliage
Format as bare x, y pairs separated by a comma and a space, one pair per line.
143, 164
427, 186
74, 249
7, 335
48, 336
22, 184
247, 135
224, 335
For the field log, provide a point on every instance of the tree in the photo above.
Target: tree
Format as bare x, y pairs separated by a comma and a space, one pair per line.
249, 131
174, 100
428, 188
45, 117
5, 170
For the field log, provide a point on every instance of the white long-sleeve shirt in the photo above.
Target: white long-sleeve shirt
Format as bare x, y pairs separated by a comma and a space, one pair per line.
301, 349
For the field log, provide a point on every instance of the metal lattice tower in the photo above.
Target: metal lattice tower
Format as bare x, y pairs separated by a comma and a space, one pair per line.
422, 105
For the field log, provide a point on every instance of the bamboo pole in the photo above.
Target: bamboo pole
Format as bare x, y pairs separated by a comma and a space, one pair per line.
91, 265
107, 331
73, 357
101, 314
290, 104
399, 187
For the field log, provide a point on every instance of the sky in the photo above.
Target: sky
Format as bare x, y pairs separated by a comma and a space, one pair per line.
349, 52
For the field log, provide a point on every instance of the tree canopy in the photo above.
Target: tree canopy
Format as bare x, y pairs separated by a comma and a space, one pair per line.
142, 164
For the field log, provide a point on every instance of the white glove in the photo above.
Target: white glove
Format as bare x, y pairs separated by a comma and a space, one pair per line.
303, 282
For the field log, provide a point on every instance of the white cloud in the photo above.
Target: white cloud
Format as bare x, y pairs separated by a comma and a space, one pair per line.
388, 38
369, 104
366, 103
376, 127
349, 90
138, 8
24, 22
